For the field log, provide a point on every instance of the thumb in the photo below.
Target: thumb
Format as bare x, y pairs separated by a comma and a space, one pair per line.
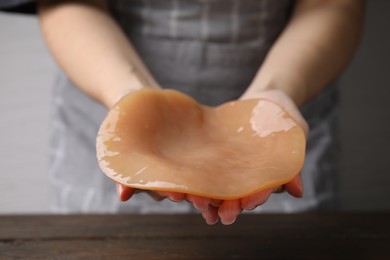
124, 192
295, 187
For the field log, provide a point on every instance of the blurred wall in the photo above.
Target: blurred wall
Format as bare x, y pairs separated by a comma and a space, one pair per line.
27, 73
366, 116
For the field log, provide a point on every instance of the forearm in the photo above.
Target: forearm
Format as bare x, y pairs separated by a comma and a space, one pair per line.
313, 50
92, 50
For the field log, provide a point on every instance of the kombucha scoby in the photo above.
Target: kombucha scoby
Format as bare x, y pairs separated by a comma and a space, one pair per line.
165, 140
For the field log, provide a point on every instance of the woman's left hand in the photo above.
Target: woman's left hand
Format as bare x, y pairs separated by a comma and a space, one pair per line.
228, 210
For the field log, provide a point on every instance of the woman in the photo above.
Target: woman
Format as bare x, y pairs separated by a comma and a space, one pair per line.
213, 50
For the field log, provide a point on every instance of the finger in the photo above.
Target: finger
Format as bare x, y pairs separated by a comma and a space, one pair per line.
174, 196
256, 199
210, 215
124, 192
201, 203
279, 189
215, 202
229, 210
154, 195
295, 187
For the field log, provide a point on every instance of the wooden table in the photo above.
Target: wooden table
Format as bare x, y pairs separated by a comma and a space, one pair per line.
301, 236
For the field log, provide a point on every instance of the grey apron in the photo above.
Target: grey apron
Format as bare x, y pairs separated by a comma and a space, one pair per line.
211, 50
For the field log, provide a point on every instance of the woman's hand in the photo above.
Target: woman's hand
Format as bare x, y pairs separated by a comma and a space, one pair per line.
227, 210
212, 209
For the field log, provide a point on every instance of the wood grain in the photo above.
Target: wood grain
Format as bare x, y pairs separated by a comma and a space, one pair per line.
298, 236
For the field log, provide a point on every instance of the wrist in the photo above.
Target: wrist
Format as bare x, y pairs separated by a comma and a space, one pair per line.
294, 89
110, 96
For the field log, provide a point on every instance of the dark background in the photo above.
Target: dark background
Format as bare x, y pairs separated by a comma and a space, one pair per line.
365, 118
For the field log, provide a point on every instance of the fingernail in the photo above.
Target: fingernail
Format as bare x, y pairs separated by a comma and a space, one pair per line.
201, 206
172, 198
250, 207
211, 223
228, 222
